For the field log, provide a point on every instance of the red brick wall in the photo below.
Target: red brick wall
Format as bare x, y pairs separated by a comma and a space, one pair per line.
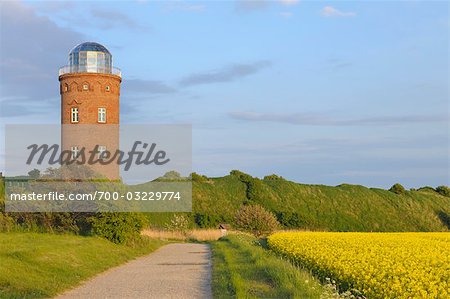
88, 101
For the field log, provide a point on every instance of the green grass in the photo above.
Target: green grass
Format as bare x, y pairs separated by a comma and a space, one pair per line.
243, 269
341, 208
318, 207
42, 265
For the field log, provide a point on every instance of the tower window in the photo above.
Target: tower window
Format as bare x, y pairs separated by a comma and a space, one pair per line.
66, 88
75, 152
107, 88
74, 115
101, 152
101, 115
85, 86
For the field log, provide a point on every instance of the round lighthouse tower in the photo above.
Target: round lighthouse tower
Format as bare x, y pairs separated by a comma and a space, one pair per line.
90, 93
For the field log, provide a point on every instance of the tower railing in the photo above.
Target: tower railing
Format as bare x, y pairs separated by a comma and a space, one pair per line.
68, 69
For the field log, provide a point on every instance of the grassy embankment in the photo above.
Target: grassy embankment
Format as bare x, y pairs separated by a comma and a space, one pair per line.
318, 207
42, 265
314, 207
243, 269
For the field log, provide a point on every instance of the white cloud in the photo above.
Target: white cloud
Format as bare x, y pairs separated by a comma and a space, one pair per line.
26, 41
225, 74
329, 11
289, 2
314, 119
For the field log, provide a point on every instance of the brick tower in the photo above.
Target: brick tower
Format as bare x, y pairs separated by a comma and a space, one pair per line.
90, 92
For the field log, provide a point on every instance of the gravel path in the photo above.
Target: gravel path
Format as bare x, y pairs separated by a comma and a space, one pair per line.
173, 271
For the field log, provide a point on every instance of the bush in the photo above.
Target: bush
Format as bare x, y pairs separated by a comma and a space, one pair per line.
61, 222
273, 177
178, 223
254, 186
397, 189
289, 219
443, 190
34, 174
445, 218
426, 188
6, 223
256, 220
172, 175
118, 227
207, 220
195, 177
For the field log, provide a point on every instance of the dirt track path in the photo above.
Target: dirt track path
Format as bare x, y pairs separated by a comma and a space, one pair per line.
173, 271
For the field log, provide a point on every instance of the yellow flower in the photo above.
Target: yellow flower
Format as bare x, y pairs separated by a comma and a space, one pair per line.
379, 265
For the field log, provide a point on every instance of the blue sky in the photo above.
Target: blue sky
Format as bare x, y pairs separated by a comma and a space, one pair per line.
320, 92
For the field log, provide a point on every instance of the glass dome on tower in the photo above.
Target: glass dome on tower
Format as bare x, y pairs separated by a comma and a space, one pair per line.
90, 57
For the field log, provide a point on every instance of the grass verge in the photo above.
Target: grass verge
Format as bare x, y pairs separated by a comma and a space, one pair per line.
42, 265
243, 269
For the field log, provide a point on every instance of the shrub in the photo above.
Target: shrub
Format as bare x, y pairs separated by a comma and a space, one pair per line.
445, 218
397, 189
289, 219
241, 175
207, 220
443, 190
172, 175
61, 222
195, 177
34, 174
118, 227
255, 191
6, 223
178, 223
426, 188
273, 177
256, 220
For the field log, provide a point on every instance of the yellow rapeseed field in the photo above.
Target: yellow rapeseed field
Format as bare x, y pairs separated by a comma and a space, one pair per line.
379, 265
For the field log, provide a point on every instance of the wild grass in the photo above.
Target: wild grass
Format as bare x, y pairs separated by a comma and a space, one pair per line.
244, 269
200, 235
318, 207
36, 265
